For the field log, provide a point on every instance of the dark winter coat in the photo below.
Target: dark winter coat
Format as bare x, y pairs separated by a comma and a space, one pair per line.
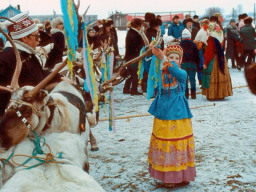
197, 25
248, 35
105, 37
133, 45
56, 54
151, 32
90, 39
194, 32
190, 52
31, 72
175, 30
232, 37
115, 43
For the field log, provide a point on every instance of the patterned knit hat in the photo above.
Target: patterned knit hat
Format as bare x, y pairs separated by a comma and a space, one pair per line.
173, 49
23, 26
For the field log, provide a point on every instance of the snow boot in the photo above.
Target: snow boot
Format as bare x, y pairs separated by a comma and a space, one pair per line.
193, 94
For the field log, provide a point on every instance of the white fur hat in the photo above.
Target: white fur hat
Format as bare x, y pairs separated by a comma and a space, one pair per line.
56, 21
186, 34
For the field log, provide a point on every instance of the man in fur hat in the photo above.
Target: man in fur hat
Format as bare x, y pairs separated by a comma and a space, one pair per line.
26, 37
248, 35
133, 45
193, 30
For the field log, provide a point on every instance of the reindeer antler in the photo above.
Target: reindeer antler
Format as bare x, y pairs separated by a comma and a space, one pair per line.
93, 23
144, 37
15, 78
105, 86
36, 89
6, 89
79, 18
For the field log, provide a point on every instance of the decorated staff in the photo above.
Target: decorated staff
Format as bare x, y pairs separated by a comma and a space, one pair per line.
107, 66
71, 30
74, 27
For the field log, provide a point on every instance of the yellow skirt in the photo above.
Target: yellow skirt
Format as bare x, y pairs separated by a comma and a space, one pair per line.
172, 146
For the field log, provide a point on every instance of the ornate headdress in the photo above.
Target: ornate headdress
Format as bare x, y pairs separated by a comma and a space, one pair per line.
173, 49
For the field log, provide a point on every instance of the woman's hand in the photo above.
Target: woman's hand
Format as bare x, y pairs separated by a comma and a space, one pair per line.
158, 53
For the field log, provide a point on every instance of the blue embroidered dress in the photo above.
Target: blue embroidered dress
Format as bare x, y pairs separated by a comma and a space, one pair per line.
171, 153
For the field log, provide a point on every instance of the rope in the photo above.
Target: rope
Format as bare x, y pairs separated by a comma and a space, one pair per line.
37, 150
147, 114
6, 160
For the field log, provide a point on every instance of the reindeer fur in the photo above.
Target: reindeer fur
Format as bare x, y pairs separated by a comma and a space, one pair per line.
52, 177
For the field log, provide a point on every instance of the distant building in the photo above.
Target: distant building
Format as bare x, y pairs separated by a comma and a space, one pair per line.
42, 18
12, 11
121, 19
9, 12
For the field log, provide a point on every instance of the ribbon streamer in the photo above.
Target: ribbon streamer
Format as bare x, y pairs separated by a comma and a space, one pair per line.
90, 80
71, 30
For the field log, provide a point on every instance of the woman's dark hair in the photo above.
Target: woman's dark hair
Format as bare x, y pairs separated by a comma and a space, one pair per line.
136, 22
155, 22
96, 28
243, 16
175, 17
248, 20
214, 18
195, 17
149, 16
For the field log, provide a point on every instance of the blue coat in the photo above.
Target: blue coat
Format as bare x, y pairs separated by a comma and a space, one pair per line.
162, 27
173, 106
175, 30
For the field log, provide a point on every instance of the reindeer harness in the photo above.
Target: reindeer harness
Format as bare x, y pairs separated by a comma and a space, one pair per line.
78, 103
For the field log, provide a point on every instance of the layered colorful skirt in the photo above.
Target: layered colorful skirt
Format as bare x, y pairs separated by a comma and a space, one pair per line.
216, 85
172, 151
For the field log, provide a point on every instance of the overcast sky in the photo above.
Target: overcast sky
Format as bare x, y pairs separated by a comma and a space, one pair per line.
103, 8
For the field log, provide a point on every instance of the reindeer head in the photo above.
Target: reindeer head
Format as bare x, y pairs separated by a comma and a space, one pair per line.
22, 113
21, 116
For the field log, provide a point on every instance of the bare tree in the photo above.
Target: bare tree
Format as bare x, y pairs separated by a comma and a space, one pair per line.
212, 10
239, 9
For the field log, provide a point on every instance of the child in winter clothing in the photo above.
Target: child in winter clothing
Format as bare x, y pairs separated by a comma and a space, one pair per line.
172, 136
190, 61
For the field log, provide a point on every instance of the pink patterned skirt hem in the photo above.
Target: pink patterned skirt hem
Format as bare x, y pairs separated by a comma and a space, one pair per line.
173, 176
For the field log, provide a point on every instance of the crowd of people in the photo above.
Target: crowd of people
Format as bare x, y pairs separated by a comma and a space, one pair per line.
201, 50
204, 48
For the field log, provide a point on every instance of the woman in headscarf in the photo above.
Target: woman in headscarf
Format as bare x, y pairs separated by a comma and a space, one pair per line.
91, 36
216, 83
201, 42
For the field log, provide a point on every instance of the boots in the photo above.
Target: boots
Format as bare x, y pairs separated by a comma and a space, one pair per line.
187, 94
193, 94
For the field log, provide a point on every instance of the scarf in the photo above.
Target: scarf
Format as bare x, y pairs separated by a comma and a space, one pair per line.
215, 31
202, 36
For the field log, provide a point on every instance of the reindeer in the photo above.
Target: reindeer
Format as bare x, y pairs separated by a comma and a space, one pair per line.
34, 109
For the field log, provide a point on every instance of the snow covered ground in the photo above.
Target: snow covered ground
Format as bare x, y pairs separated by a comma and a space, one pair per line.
224, 134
